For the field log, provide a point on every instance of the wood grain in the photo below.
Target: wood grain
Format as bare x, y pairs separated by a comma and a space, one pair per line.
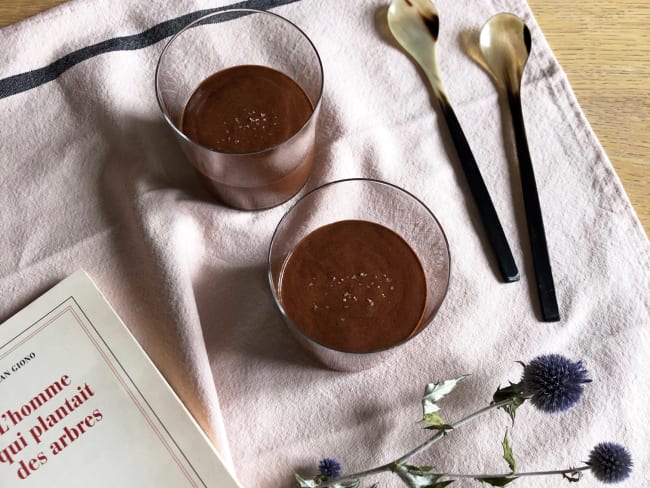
15, 10
604, 47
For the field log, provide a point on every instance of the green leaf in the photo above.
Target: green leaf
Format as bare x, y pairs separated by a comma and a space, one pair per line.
507, 453
433, 421
513, 394
496, 481
306, 483
418, 476
312, 482
573, 476
511, 409
433, 393
347, 484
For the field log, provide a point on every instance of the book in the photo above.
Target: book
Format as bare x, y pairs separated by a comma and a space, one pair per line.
82, 405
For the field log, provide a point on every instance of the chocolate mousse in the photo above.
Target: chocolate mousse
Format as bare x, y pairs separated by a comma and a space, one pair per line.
355, 286
258, 121
245, 109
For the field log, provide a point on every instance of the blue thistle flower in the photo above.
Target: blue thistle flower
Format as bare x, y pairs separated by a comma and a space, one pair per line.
610, 462
554, 383
329, 467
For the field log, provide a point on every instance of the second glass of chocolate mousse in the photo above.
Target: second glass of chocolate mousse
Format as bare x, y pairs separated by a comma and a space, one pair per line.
358, 267
241, 90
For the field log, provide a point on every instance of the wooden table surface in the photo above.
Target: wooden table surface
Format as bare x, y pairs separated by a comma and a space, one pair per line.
604, 47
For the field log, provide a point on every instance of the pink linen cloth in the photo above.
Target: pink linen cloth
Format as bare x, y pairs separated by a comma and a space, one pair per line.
90, 177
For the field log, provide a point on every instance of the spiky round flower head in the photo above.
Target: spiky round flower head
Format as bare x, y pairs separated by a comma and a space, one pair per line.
329, 467
554, 383
610, 462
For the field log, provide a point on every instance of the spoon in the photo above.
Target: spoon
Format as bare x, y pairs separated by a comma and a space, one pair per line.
414, 24
505, 44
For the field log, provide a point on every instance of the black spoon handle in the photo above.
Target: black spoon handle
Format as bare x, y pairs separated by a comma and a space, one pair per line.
536, 234
486, 209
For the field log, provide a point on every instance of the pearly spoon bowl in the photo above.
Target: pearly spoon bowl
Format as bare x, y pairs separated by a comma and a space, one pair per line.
415, 25
505, 45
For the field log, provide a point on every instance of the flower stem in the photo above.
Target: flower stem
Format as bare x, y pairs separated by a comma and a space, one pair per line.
516, 475
442, 433
422, 447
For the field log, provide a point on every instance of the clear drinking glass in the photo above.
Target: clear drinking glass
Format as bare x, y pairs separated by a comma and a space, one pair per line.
373, 201
238, 37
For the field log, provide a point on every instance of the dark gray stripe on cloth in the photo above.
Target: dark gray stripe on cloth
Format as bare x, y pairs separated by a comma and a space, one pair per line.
19, 83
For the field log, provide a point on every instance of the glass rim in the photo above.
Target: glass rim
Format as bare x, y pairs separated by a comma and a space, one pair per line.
245, 11
276, 298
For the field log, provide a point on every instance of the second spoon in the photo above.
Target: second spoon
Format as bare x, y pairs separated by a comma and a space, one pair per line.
505, 45
414, 24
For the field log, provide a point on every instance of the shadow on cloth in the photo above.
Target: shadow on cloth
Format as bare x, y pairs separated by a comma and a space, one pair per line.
238, 316
145, 187
142, 187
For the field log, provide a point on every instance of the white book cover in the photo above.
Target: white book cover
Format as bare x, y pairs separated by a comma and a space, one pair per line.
81, 404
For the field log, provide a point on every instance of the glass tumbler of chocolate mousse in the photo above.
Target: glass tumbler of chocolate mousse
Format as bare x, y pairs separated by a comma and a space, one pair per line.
241, 91
357, 268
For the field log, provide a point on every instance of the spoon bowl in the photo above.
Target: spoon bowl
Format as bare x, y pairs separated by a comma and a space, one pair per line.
415, 25
505, 45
